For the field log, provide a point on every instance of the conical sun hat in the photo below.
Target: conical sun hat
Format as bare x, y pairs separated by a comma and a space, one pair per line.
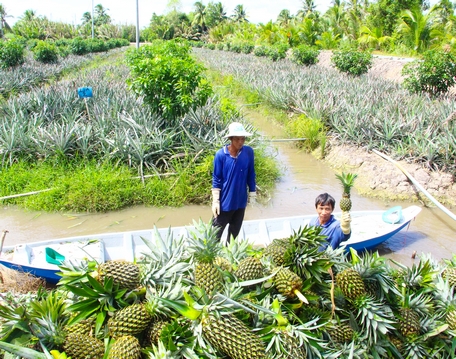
237, 129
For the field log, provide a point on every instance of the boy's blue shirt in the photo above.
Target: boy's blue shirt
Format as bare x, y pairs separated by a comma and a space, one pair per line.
332, 230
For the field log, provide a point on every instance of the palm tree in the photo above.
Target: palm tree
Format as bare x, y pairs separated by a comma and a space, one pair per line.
308, 9
29, 15
373, 37
240, 14
86, 18
416, 28
101, 15
284, 18
200, 16
3, 23
217, 12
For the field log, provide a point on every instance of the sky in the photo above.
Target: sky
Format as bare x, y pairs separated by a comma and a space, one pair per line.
124, 11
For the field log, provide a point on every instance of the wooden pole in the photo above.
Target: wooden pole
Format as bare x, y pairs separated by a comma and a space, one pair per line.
2, 240
415, 182
25, 194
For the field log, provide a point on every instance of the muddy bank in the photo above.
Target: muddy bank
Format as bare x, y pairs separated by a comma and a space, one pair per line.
379, 178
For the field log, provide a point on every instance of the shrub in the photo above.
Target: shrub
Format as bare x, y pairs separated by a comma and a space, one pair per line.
305, 55
260, 50
11, 54
210, 46
435, 74
312, 129
45, 52
96, 45
352, 62
220, 45
170, 80
276, 53
247, 47
78, 46
236, 47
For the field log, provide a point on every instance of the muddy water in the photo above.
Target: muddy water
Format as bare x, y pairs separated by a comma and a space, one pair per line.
303, 179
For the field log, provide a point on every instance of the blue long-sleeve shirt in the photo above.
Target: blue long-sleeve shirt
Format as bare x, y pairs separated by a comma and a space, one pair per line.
233, 176
332, 230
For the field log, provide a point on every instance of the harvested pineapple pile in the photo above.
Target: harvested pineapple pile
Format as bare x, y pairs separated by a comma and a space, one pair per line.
194, 298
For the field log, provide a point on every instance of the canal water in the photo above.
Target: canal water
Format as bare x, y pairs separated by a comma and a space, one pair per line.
303, 178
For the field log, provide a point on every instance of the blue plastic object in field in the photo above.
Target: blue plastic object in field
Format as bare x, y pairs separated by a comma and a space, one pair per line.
54, 257
85, 92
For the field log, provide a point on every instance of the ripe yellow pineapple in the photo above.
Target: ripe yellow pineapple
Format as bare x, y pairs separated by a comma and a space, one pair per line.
347, 180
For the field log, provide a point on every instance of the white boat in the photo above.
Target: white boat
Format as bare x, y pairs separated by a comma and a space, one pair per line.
369, 229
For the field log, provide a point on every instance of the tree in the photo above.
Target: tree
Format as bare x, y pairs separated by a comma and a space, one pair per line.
416, 29
372, 37
29, 15
200, 16
3, 23
308, 8
101, 15
216, 14
284, 18
240, 14
86, 18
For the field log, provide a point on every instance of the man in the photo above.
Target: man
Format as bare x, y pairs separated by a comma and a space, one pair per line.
335, 231
233, 173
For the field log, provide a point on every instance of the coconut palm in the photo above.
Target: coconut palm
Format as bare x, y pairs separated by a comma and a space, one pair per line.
200, 16
240, 14
216, 13
373, 37
416, 28
284, 17
3, 23
308, 8
86, 18
101, 15
29, 15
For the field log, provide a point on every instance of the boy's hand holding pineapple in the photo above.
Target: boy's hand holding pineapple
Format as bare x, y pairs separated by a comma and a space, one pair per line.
347, 180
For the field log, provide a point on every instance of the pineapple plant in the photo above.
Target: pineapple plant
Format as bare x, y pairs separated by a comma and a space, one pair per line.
204, 247
125, 347
347, 181
289, 284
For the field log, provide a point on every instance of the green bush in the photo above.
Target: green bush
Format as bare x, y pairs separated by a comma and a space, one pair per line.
96, 45
236, 47
11, 54
276, 53
260, 50
247, 47
305, 55
78, 46
435, 74
352, 62
210, 46
170, 80
45, 52
311, 129
220, 45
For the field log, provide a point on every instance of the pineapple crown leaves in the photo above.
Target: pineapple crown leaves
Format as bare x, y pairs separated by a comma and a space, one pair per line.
74, 272
419, 277
203, 243
22, 352
173, 291
347, 180
237, 249
303, 255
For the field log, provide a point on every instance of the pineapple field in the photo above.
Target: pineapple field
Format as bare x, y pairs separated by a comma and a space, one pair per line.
193, 297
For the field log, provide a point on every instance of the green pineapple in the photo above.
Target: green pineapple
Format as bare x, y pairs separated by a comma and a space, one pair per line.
83, 346
289, 284
351, 283
276, 250
124, 274
449, 274
341, 332
347, 180
155, 329
85, 326
249, 268
204, 246
409, 322
223, 263
232, 337
130, 320
125, 347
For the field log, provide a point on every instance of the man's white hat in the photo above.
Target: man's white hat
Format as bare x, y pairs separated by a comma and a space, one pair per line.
237, 129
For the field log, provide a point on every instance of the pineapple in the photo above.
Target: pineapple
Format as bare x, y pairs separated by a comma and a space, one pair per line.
124, 274
204, 246
288, 284
351, 283
232, 337
347, 180
276, 250
249, 268
130, 320
449, 274
83, 346
154, 331
83, 327
125, 347
409, 322
223, 263
341, 332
